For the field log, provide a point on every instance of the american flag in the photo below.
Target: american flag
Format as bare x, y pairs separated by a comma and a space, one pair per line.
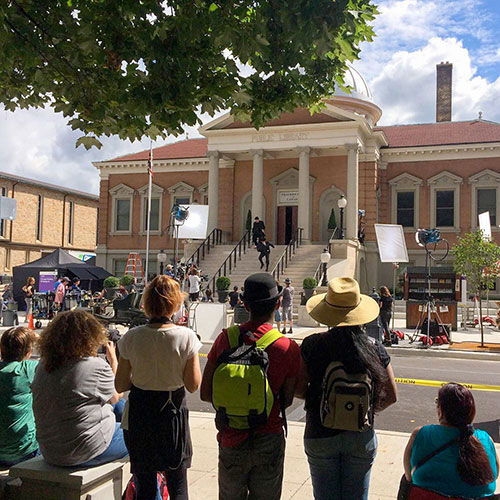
150, 161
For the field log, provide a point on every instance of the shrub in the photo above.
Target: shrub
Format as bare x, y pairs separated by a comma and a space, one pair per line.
111, 282
309, 283
126, 280
222, 283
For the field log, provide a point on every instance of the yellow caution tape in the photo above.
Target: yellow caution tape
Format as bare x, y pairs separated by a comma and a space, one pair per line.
439, 383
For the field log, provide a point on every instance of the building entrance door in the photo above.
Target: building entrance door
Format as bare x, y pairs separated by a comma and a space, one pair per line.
287, 224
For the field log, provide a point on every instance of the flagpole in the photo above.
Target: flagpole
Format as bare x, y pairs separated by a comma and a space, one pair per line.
148, 226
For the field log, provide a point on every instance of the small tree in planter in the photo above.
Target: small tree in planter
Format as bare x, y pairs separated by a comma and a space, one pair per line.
112, 286
248, 224
332, 222
127, 281
309, 285
477, 260
222, 285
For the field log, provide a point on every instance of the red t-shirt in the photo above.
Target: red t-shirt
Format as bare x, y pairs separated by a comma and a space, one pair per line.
284, 362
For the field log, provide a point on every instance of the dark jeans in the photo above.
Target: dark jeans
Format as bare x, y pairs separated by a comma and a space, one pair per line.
8, 465
264, 256
146, 484
252, 470
385, 318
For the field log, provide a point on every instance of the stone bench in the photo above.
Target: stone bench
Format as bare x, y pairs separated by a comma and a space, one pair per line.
42, 481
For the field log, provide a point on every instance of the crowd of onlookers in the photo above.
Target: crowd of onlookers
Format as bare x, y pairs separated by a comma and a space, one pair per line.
70, 407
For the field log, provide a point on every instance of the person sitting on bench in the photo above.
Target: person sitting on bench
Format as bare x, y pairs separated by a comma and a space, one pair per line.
17, 423
73, 391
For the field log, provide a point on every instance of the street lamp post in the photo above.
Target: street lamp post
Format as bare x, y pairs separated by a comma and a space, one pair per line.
342, 203
325, 258
161, 258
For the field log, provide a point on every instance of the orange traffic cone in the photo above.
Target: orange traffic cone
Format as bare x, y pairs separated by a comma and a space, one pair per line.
31, 326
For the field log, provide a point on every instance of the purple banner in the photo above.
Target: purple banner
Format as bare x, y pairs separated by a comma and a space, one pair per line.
46, 280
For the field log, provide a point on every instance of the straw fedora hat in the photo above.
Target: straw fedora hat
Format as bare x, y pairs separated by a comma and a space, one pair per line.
342, 305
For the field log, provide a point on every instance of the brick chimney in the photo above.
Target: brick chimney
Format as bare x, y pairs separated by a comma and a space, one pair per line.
443, 91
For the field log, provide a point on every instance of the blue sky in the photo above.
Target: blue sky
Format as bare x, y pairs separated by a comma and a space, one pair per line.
399, 66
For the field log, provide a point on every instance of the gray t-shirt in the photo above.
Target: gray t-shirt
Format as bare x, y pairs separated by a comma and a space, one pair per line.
287, 296
74, 422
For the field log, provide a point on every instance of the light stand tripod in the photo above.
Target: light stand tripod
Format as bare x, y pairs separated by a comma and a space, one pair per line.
430, 306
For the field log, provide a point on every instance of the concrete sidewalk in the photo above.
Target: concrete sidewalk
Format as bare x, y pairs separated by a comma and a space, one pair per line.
202, 476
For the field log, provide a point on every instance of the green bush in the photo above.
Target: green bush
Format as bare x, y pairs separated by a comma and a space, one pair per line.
248, 224
111, 282
222, 283
126, 280
309, 283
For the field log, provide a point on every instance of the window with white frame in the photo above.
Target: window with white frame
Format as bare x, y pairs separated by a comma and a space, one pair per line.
122, 197
406, 208
485, 195
3, 222
71, 222
487, 202
445, 200
203, 190
405, 195
180, 194
119, 266
39, 218
156, 208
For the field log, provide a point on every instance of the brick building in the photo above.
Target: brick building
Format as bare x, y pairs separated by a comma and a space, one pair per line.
292, 172
48, 217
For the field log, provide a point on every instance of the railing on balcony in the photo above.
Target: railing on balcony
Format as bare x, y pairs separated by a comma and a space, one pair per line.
213, 239
287, 255
230, 263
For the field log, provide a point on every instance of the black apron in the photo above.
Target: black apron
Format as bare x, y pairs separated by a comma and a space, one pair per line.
158, 436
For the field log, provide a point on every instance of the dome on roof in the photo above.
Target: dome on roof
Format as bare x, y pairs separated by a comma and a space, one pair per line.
358, 85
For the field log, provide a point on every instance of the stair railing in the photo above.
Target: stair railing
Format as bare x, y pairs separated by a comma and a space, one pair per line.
287, 255
213, 239
230, 262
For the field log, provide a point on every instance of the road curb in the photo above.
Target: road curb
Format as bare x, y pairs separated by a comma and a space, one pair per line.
443, 353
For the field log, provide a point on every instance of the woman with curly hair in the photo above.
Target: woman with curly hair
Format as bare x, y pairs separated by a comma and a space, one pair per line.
158, 362
73, 391
466, 464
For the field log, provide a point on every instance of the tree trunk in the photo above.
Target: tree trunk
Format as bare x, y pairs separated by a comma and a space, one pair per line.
481, 320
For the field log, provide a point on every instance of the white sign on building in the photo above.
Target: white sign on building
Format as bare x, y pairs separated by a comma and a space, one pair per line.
289, 197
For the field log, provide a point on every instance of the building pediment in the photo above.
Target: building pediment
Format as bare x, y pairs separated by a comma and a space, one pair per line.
405, 181
485, 177
155, 189
301, 116
180, 187
121, 190
444, 179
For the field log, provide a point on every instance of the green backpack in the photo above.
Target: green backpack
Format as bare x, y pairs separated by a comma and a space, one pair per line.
241, 394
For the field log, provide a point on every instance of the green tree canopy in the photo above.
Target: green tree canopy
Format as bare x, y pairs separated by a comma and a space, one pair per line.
139, 68
477, 258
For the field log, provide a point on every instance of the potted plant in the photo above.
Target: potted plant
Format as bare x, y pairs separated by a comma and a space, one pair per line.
127, 281
309, 285
112, 286
222, 285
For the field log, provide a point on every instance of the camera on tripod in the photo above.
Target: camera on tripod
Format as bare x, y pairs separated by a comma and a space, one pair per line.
425, 236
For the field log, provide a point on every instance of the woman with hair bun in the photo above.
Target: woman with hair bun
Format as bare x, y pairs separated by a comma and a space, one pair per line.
466, 468
158, 362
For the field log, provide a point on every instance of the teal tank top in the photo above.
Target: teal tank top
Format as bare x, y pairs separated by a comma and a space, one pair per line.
440, 473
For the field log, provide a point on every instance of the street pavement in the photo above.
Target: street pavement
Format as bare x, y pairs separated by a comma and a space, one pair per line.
416, 404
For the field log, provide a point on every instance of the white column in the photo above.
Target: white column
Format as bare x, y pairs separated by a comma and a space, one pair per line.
213, 190
257, 183
351, 215
304, 215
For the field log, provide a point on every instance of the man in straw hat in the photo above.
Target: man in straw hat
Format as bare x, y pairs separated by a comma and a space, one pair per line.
341, 450
251, 462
